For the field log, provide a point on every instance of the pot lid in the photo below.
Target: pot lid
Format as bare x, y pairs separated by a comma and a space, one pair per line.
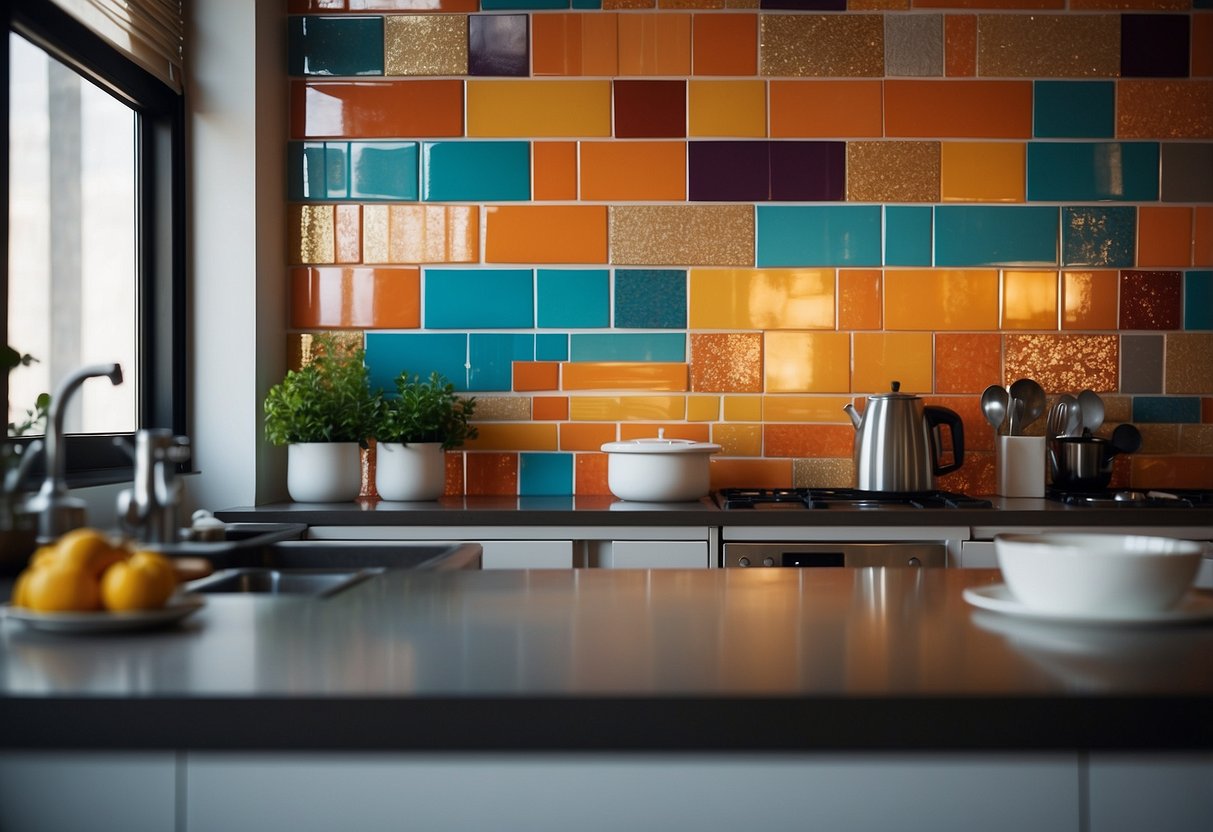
660, 445
894, 394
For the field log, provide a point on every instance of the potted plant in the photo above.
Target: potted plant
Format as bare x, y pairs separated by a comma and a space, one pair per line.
17, 528
324, 413
414, 428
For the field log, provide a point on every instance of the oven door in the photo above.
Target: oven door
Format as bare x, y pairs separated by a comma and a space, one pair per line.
802, 555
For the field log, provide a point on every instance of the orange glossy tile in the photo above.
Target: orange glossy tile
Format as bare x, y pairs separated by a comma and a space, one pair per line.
1088, 299
958, 109
634, 171
1202, 45
804, 408
762, 299
941, 299
376, 109
575, 44
626, 408
750, 473
859, 299
347, 234
988, 4
967, 362
738, 440
355, 297
884, 357
655, 44
545, 234
514, 436
1064, 362
703, 408
624, 375
554, 170
960, 45
420, 233
669, 430
1176, 108
533, 109
978, 434
575, 436
808, 440
1171, 472
1164, 236
1029, 300
826, 109
743, 408
490, 474
982, 171
590, 474
724, 44
726, 362
1202, 237
310, 233
550, 408
807, 362
726, 108
536, 375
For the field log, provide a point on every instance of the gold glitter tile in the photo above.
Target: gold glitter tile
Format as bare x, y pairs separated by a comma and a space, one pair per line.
300, 346
502, 408
1196, 439
742, 4
726, 362
1189, 362
347, 233
1117, 409
609, 5
420, 233
823, 473
311, 234
1171, 109
1158, 438
690, 4
689, 235
425, 44
738, 440
1048, 45
1064, 362
821, 46
893, 171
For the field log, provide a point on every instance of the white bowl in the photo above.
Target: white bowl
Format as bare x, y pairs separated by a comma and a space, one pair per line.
1078, 573
659, 470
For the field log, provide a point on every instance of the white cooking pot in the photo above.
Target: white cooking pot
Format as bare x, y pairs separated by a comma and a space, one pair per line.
659, 470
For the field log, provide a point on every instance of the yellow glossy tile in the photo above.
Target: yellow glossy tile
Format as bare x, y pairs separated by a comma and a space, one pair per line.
859, 299
727, 108
738, 439
882, 358
626, 408
538, 108
1029, 300
941, 299
822, 46
347, 234
726, 361
743, 408
425, 44
500, 436
586, 437
420, 233
623, 375
1189, 362
1088, 299
982, 172
804, 408
891, 171
1064, 362
807, 362
708, 235
1048, 45
762, 299
311, 234
703, 408
655, 44
670, 430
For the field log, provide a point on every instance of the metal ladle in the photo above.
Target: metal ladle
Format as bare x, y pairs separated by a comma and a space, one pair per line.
994, 404
1091, 407
1033, 397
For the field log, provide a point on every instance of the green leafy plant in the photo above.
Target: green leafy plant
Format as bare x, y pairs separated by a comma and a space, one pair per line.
328, 400
426, 411
11, 359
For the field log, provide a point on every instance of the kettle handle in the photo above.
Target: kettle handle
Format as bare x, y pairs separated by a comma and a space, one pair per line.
935, 417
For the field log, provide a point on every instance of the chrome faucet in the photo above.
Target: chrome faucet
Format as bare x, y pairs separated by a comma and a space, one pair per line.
149, 509
58, 511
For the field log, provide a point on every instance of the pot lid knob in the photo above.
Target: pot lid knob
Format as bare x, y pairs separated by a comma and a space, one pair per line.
896, 386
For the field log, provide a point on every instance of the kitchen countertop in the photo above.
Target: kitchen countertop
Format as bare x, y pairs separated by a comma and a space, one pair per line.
705, 659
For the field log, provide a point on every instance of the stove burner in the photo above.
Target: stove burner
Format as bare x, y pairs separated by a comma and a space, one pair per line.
1172, 498
800, 499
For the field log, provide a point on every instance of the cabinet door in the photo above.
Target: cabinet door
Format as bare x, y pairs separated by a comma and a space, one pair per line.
527, 554
1130, 792
656, 554
977, 554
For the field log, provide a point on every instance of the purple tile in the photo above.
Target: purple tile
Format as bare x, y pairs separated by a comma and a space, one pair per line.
1150, 300
497, 44
806, 5
1154, 45
728, 171
650, 109
808, 171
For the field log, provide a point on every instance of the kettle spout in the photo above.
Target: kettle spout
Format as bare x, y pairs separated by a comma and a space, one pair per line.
853, 413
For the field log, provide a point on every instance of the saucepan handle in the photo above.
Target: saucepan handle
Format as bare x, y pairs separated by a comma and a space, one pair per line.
937, 416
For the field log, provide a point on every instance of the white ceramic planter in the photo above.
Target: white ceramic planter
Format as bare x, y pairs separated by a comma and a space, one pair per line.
659, 470
416, 471
324, 472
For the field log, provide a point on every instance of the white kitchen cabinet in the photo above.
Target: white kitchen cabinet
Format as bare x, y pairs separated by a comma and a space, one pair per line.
1131, 792
977, 554
654, 554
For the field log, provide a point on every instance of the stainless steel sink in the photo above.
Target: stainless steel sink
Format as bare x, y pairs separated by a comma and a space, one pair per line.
318, 583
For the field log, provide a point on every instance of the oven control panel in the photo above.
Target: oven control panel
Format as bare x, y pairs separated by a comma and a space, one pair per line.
910, 554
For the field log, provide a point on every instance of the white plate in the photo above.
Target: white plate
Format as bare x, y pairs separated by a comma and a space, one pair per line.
997, 597
177, 608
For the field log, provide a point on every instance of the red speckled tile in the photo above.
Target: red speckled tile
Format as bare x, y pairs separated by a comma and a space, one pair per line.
728, 362
1064, 362
590, 474
967, 363
1150, 300
975, 476
492, 473
960, 45
1171, 472
751, 473
454, 473
1206, 410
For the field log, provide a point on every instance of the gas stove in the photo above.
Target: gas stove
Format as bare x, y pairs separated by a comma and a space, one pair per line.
1171, 498
836, 499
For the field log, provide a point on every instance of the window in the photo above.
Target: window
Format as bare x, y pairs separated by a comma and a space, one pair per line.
94, 233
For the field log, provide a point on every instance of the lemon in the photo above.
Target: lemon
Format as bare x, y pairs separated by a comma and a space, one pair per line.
144, 581
60, 587
91, 550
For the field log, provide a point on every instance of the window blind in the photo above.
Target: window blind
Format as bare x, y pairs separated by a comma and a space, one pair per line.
152, 32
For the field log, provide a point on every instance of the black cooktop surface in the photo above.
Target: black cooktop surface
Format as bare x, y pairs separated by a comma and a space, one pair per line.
1170, 498
852, 499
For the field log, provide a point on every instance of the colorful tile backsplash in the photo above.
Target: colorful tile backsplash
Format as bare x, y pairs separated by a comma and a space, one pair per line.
726, 219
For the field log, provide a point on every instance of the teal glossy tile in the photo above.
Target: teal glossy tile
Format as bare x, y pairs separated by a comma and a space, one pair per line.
551, 347
1167, 409
1141, 363
335, 45
811, 235
626, 346
478, 298
390, 353
317, 170
1074, 109
587, 4
1198, 300
542, 475
573, 298
383, 170
1092, 171
491, 358
995, 235
650, 299
907, 235
1099, 236
475, 171
1187, 172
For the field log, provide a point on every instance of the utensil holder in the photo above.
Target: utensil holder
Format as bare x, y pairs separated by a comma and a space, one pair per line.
1020, 466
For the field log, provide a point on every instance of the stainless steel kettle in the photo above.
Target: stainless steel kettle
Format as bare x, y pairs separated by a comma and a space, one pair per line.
897, 443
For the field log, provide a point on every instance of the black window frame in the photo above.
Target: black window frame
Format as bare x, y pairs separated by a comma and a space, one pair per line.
160, 338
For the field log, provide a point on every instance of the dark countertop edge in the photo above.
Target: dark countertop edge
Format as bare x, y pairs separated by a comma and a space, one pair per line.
612, 724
